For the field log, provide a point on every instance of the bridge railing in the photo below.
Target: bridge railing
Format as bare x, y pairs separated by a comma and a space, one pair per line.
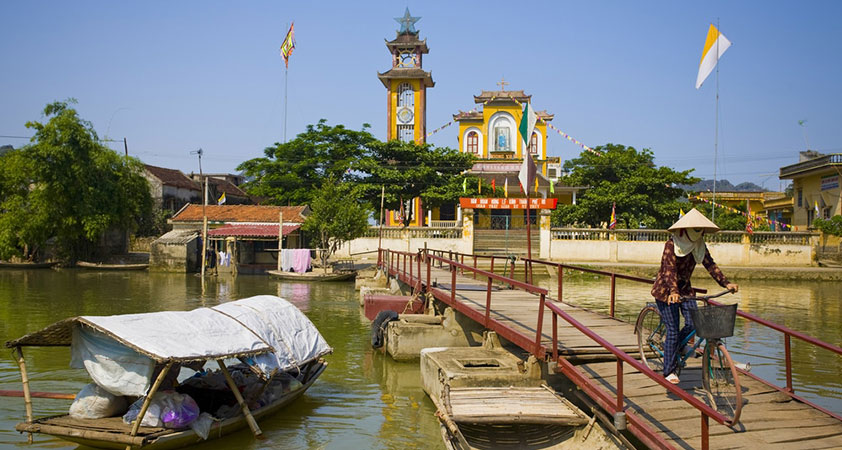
408, 267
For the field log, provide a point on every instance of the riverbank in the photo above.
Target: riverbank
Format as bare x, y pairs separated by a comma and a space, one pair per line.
734, 273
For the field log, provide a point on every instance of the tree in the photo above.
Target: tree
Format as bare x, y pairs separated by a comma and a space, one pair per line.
408, 170
645, 194
829, 226
67, 187
336, 216
290, 173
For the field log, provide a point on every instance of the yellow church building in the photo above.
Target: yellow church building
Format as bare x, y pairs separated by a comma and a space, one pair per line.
489, 132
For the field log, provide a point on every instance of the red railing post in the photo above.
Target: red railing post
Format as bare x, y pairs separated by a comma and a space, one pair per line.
492, 264
452, 284
525, 272
429, 263
475, 266
419, 271
613, 291
540, 324
488, 304
705, 432
411, 284
555, 337
788, 356
462, 261
619, 385
379, 258
560, 277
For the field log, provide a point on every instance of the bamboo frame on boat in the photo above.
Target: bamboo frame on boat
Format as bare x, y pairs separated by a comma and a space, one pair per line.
234, 390
27, 397
148, 400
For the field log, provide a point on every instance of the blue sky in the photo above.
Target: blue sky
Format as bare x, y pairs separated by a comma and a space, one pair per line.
175, 76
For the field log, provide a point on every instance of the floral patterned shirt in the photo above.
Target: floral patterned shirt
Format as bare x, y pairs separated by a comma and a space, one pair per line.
674, 275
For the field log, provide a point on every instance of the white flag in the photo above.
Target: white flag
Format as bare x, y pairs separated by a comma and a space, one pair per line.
715, 45
527, 173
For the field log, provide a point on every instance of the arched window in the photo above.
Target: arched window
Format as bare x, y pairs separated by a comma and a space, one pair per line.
473, 142
502, 132
406, 96
533, 144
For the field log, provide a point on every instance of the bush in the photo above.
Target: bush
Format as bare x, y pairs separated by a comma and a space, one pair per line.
829, 226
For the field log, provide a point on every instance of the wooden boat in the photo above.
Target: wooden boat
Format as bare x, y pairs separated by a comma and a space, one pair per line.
315, 275
536, 418
26, 265
105, 266
268, 332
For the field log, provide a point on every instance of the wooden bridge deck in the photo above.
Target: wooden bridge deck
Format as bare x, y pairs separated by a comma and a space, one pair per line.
770, 418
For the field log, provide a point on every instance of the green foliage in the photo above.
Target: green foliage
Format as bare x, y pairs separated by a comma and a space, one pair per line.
829, 226
643, 192
68, 188
291, 172
408, 170
336, 216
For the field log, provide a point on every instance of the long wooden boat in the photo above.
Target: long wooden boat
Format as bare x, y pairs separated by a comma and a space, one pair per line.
315, 275
26, 265
532, 418
114, 434
105, 266
268, 332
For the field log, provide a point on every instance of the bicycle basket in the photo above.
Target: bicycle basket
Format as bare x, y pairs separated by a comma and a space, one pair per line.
713, 322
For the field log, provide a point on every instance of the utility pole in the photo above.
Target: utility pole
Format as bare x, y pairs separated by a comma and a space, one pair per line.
126, 147
204, 211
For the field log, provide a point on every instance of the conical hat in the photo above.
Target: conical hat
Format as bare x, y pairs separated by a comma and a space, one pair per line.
695, 219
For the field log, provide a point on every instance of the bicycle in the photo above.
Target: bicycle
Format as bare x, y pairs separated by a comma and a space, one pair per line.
720, 376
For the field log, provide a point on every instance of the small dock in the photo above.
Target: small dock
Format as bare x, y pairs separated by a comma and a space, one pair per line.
599, 354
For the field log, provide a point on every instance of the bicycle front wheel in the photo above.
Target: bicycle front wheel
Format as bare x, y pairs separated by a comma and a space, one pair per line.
722, 381
651, 333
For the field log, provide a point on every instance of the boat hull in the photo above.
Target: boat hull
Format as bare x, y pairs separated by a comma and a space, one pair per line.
313, 276
169, 439
99, 266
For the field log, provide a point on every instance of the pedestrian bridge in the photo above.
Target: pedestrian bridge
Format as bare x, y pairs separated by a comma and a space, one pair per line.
598, 352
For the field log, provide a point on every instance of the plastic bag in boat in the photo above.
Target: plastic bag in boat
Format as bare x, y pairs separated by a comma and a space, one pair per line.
94, 402
168, 409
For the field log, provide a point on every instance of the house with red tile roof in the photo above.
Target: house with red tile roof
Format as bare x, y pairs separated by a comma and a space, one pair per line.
244, 238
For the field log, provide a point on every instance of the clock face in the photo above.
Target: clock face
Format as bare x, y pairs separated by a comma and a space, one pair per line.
407, 59
405, 115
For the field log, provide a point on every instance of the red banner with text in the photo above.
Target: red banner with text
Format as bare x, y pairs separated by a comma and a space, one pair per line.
507, 203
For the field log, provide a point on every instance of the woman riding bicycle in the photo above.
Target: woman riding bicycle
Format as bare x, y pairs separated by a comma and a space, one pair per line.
685, 248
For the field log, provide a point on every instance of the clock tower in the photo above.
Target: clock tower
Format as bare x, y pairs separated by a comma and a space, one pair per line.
406, 84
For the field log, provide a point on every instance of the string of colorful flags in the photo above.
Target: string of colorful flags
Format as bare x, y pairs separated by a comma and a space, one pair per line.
475, 109
551, 126
744, 214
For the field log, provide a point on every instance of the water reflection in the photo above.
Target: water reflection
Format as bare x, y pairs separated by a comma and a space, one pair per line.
366, 400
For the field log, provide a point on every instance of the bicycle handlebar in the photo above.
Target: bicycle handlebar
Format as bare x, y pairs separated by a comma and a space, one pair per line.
706, 297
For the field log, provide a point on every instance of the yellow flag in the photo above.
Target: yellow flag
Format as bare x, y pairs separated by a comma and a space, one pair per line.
715, 45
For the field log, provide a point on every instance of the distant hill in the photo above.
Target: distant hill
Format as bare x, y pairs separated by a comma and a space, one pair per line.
724, 186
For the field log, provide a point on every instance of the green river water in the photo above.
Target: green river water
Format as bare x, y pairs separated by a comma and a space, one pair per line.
365, 400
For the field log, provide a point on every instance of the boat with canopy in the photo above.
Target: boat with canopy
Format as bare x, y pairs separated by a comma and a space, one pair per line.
248, 358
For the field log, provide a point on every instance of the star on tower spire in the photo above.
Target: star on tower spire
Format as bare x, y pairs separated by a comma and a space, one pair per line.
407, 23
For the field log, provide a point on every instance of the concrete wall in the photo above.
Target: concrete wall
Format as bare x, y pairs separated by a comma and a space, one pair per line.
174, 257
724, 253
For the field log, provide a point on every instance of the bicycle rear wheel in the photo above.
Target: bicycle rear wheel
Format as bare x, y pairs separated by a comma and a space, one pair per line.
722, 381
651, 333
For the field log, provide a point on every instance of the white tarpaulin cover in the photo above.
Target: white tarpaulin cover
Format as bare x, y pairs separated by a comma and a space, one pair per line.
120, 352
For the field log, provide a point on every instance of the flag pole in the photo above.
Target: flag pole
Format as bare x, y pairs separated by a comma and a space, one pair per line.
716, 124
286, 83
